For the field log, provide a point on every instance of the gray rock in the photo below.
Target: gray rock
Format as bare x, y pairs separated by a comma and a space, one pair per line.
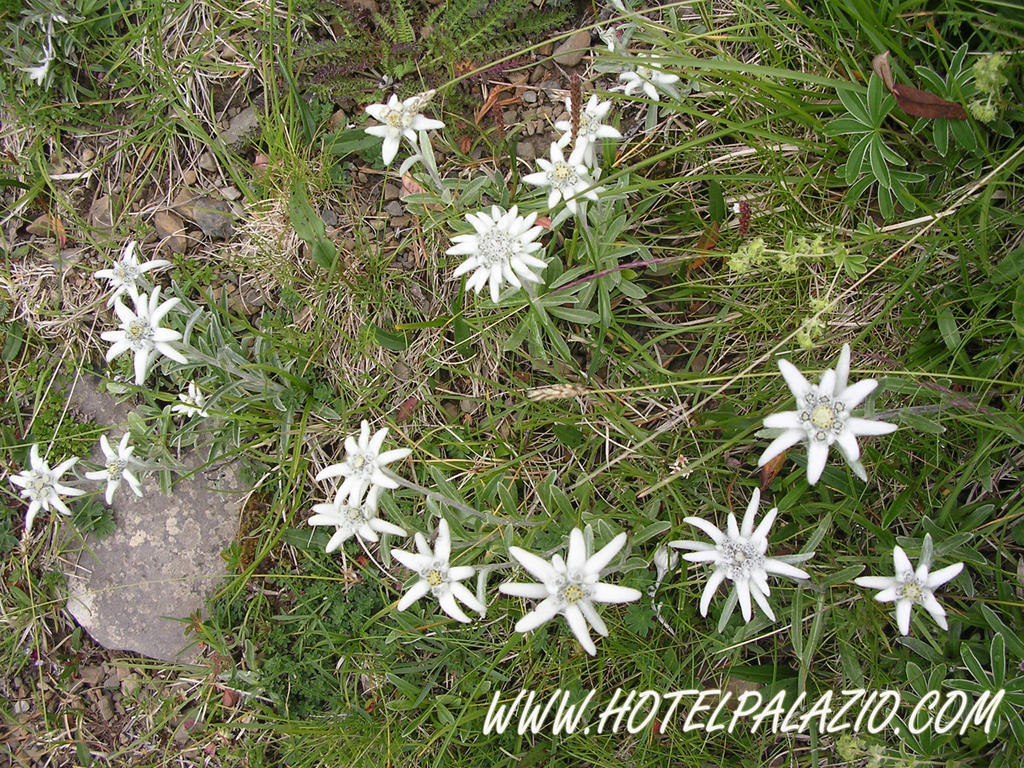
213, 216
526, 151
572, 50
132, 590
242, 127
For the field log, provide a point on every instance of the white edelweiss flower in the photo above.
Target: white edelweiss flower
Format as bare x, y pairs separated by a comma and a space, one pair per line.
193, 402
501, 250
141, 333
570, 588
127, 272
437, 576
38, 73
824, 418
565, 179
117, 463
591, 128
649, 78
359, 520
400, 119
42, 487
364, 464
911, 587
739, 554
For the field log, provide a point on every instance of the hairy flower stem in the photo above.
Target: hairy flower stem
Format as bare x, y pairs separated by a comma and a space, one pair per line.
575, 104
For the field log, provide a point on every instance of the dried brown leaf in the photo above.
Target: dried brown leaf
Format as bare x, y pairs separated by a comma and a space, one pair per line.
914, 101
918, 103
770, 470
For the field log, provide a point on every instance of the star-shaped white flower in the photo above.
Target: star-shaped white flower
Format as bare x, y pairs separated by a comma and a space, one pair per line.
141, 333
570, 588
591, 128
911, 587
127, 272
650, 78
565, 179
400, 119
364, 464
823, 418
437, 576
501, 250
38, 73
359, 520
116, 467
740, 554
193, 402
42, 487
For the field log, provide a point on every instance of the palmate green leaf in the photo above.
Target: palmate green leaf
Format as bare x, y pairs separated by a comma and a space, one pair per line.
843, 126
876, 96
853, 194
878, 165
855, 104
854, 166
885, 203
964, 133
890, 155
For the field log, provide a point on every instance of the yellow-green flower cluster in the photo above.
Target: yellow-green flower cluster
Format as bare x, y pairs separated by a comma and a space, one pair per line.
989, 78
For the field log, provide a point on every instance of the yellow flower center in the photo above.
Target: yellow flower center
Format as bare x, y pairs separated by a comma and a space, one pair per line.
434, 578
136, 330
822, 417
912, 592
572, 593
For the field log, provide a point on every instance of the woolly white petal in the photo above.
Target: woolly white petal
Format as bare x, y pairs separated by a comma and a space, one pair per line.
415, 592
578, 625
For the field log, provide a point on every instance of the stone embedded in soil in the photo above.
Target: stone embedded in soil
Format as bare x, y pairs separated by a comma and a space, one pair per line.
526, 151
99, 213
171, 229
572, 50
135, 589
213, 216
242, 127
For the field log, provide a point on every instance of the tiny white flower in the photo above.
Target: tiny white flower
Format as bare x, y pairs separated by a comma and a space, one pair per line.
610, 36
649, 78
824, 418
141, 333
193, 402
591, 128
364, 464
400, 119
565, 179
437, 576
501, 250
116, 467
127, 272
570, 588
39, 72
911, 587
359, 520
740, 554
42, 487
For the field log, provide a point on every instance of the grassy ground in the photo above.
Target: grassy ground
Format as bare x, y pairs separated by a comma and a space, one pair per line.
673, 359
